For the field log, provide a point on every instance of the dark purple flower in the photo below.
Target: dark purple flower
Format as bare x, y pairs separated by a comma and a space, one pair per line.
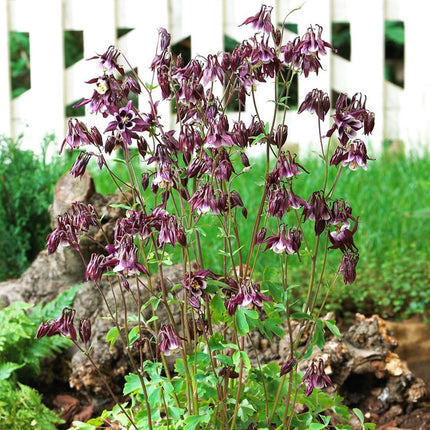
356, 156
342, 238
95, 268
317, 211
228, 372
168, 341
288, 366
169, 230
85, 330
348, 267
282, 242
203, 200
277, 201
351, 116
224, 167
62, 325
212, 70
261, 21
247, 296
77, 135
304, 53
80, 165
70, 227
123, 258
295, 201
109, 61
127, 123
316, 101
341, 213
195, 282
286, 166
347, 126
315, 377
261, 235
218, 134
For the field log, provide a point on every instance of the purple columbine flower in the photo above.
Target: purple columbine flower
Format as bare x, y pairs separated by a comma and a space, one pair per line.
288, 366
315, 377
277, 201
317, 211
262, 20
287, 167
80, 165
304, 53
247, 296
168, 341
282, 242
85, 330
342, 238
109, 61
95, 268
62, 325
316, 101
195, 282
348, 267
123, 258
356, 156
127, 123
203, 200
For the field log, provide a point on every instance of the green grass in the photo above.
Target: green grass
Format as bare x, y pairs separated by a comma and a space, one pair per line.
391, 200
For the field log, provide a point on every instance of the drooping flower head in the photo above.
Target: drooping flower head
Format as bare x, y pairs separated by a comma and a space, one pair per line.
168, 341
315, 377
261, 21
247, 295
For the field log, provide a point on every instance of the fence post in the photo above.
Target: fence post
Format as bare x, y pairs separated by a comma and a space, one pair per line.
45, 113
6, 128
367, 61
415, 107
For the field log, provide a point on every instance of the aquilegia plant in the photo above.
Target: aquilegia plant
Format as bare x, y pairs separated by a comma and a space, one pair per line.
181, 182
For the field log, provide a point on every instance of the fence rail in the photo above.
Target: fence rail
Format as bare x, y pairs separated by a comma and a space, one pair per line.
402, 113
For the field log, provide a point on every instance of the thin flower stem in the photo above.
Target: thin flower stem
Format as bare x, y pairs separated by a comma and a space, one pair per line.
312, 276
239, 387
114, 397
322, 271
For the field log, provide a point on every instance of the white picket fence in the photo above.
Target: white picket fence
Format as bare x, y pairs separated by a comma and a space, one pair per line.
402, 114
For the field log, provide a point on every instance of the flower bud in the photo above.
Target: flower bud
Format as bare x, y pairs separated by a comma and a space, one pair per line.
85, 330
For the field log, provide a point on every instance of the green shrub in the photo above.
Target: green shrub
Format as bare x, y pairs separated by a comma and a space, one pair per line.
26, 191
21, 406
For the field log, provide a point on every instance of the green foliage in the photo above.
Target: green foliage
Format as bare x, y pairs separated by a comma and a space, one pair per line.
26, 191
21, 406
18, 326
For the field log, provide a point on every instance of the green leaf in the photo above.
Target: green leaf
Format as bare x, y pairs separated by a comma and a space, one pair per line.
218, 307
241, 322
331, 325
6, 369
317, 426
112, 336
359, 414
224, 359
318, 338
132, 384
133, 335
300, 316
193, 421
